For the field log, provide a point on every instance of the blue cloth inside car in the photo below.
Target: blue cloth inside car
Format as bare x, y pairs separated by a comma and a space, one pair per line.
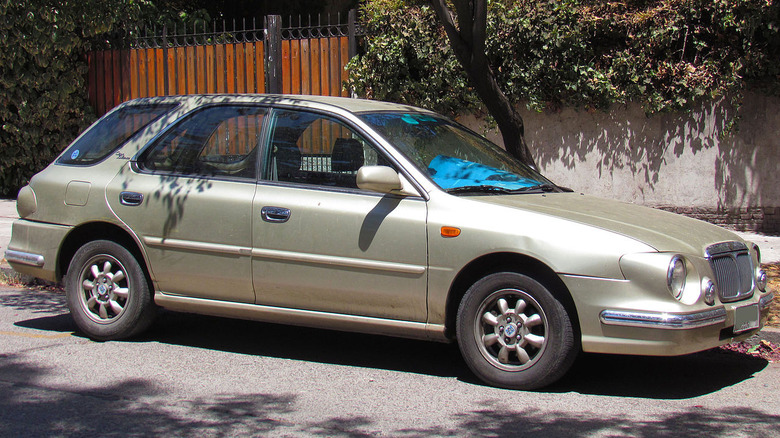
449, 172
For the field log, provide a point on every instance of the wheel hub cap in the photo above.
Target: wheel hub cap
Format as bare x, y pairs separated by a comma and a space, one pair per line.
510, 330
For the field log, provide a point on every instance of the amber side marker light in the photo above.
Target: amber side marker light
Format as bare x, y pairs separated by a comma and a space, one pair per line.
450, 232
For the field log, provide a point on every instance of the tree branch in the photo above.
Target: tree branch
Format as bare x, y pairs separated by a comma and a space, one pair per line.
459, 45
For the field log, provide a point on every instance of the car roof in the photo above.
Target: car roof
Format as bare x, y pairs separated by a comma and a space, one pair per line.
344, 103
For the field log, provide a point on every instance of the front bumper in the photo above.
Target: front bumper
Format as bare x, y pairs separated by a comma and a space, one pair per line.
617, 317
663, 320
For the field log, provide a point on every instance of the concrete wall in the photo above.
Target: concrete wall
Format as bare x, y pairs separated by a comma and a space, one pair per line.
688, 163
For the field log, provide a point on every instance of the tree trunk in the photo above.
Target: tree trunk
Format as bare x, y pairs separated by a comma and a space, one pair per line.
468, 43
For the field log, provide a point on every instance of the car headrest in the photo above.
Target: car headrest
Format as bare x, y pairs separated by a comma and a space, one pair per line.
347, 155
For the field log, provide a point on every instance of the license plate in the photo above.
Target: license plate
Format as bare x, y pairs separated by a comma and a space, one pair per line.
745, 318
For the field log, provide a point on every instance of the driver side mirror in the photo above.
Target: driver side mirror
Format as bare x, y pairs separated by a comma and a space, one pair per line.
380, 179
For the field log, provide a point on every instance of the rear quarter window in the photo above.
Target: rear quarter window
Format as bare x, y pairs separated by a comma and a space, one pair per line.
111, 132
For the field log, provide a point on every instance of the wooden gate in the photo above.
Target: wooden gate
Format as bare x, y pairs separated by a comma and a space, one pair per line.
303, 59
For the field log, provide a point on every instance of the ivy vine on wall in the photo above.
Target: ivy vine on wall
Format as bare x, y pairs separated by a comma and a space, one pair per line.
666, 54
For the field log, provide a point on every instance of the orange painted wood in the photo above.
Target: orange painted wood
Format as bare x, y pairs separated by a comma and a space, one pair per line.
240, 68
295, 66
169, 72
151, 83
134, 79
116, 77
126, 77
286, 66
159, 72
181, 70
335, 67
309, 66
199, 75
219, 61
230, 68
305, 67
324, 67
249, 67
210, 79
189, 70
315, 66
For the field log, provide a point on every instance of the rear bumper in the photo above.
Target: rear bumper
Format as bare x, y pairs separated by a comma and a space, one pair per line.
34, 248
24, 258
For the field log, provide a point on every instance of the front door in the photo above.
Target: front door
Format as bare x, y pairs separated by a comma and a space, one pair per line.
322, 244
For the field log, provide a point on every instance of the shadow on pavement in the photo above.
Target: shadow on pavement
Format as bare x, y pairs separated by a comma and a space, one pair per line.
138, 407
677, 377
612, 375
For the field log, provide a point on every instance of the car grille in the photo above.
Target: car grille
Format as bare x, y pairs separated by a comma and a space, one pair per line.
733, 270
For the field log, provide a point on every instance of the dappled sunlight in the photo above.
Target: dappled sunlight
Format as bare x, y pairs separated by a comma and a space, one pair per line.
695, 159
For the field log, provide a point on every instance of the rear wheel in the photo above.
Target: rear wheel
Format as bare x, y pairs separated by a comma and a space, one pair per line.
108, 295
514, 333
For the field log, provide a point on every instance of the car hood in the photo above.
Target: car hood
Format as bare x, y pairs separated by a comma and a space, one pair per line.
659, 229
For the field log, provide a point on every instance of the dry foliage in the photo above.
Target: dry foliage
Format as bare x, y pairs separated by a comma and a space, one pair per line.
773, 272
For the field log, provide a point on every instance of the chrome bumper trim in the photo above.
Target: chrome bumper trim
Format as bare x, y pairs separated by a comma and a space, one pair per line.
765, 301
24, 258
672, 321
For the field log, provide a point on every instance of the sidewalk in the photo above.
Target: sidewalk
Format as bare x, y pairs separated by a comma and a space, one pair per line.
769, 245
7, 216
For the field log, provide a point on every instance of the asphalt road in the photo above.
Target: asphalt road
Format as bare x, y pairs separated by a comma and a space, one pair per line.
203, 376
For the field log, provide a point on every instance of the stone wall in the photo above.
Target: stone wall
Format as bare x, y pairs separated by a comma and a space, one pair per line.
691, 163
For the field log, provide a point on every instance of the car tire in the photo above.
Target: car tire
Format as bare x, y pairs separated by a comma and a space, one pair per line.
107, 292
514, 333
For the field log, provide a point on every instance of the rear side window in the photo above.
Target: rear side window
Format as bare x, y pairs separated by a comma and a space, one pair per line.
111, 132
218, 141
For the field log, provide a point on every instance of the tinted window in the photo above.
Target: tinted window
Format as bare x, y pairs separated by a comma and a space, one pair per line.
311, 148
111, 132
219, 141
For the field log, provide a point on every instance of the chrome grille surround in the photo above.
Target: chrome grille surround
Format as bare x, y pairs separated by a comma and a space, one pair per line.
733, 268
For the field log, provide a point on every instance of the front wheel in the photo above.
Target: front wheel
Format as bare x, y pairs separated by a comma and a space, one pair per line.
108, 295
514, 333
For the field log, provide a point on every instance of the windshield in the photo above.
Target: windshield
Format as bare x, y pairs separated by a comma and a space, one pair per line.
456, 159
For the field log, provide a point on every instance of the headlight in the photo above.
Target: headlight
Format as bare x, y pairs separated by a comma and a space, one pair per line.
761, 280
675, 276
709, 290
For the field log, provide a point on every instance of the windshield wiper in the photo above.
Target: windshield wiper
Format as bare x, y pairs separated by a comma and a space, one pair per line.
537, 188
493, 190
480, 189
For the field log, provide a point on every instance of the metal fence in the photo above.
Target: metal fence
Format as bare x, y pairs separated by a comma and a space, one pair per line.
305, 57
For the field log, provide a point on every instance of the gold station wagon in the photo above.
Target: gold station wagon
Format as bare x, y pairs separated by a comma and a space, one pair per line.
373, 217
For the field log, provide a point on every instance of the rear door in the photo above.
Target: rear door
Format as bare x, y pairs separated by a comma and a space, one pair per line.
189, 200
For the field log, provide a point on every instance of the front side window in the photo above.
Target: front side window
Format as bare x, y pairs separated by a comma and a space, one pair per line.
310, 148
111, 132
216, 141
456, 159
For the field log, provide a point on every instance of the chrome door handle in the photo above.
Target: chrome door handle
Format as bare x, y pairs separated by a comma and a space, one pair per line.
275, 214
131, 198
